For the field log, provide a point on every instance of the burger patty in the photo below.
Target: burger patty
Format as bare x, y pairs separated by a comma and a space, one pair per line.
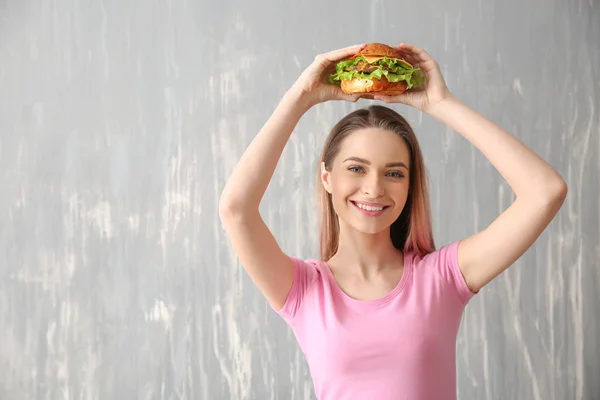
365, 67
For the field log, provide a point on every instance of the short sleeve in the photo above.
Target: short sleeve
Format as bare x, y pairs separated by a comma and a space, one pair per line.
446, 260
304, 275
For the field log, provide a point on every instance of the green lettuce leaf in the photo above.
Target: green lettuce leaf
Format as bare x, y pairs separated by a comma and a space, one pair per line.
398, 71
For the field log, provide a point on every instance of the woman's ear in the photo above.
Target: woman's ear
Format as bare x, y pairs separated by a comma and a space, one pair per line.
325, 178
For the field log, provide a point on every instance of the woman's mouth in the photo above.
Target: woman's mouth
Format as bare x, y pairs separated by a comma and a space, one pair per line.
370, 210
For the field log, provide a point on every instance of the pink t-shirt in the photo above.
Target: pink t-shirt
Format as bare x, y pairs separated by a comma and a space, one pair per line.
400, 346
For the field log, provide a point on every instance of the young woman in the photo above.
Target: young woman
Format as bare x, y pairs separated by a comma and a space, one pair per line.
378, 313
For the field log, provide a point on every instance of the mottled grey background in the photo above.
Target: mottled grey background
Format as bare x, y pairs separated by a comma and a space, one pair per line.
120, 121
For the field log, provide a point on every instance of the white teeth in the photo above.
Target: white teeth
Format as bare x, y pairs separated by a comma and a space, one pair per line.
368, 208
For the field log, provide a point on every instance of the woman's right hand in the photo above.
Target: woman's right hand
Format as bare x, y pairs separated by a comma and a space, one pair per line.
314, 84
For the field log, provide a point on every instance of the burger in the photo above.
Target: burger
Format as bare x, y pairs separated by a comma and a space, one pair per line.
377, 68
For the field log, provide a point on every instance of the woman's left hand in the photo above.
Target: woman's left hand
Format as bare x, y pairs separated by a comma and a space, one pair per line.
432, 92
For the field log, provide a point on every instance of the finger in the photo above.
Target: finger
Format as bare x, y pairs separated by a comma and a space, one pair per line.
407, 55
401, 98
411, 59
354, 97
340, 54
429, 67
384, 98
348, 97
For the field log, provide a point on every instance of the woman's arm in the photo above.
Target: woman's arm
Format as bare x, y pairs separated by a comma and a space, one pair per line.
540, 190
248, 183
270, 269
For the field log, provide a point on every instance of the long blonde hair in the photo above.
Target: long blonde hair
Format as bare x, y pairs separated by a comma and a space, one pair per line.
412, 230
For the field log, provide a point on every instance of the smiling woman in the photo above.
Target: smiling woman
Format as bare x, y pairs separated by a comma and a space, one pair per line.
377, 315
373, 157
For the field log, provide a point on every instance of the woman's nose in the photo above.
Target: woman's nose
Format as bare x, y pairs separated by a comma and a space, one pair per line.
373, 187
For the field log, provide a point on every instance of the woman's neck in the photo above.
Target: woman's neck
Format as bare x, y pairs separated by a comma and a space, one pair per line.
367, 253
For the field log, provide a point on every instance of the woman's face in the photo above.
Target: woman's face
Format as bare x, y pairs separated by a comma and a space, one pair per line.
369, 179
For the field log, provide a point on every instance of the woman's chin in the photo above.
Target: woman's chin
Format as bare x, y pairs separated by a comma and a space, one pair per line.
372, 228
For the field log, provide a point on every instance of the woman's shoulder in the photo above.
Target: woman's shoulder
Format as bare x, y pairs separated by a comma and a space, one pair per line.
309, 275
313, 268
443, 263
443, 253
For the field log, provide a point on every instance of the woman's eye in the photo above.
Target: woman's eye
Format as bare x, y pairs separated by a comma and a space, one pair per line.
396, 174
355, 169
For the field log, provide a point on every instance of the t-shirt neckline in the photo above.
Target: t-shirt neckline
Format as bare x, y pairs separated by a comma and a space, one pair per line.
374, 302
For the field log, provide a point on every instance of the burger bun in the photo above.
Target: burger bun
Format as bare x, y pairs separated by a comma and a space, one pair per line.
379, 86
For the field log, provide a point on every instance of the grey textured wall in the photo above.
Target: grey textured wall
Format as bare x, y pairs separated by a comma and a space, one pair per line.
120, 121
